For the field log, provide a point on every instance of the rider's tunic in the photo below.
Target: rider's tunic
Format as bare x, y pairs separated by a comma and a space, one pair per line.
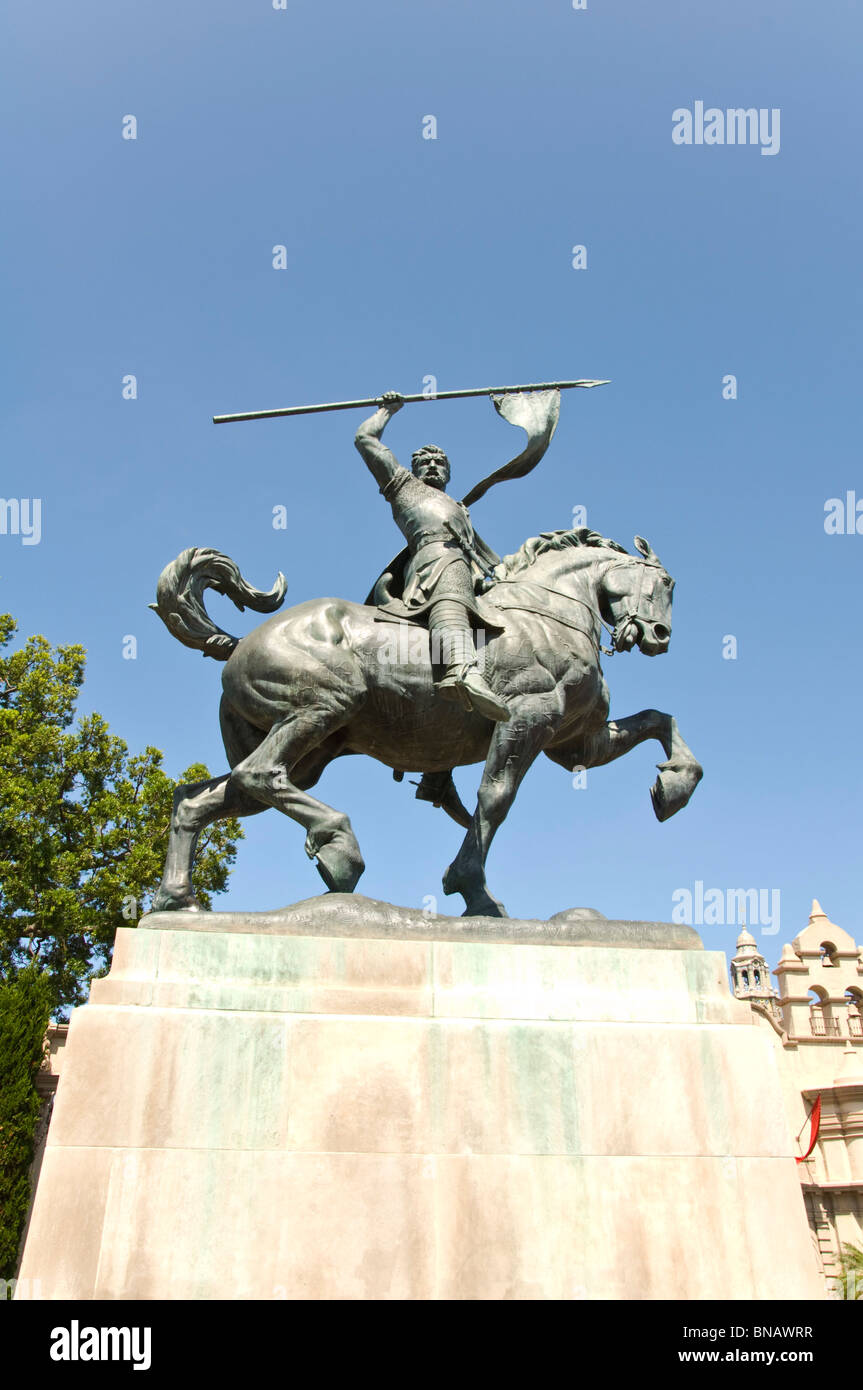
437, 529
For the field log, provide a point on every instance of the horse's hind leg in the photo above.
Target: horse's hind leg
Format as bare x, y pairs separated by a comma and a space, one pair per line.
196, 805
265, 776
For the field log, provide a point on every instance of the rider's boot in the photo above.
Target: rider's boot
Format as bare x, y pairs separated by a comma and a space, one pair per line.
465, 684
463, 681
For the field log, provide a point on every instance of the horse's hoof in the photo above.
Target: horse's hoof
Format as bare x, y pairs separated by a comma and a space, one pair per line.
673, 788
170, 902
450, 883
478, 904
486, 906
340, 864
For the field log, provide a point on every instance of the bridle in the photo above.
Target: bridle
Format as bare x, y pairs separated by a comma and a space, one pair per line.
633, 615
616, 633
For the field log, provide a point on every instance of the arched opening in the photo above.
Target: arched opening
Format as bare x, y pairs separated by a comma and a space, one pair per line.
828, 954
822, 1024
854, 1007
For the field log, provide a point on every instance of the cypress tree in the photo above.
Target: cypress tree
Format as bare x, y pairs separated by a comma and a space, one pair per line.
25, 1009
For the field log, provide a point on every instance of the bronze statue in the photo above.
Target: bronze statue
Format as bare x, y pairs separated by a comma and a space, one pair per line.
441, 544
320, 680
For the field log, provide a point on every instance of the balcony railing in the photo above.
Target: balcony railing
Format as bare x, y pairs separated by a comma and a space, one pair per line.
855, 1026
824, 1027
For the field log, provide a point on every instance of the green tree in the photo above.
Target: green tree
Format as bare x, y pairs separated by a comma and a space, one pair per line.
83, 823
25, 1007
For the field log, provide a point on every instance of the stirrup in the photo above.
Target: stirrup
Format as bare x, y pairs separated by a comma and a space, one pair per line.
452, 686
473, 694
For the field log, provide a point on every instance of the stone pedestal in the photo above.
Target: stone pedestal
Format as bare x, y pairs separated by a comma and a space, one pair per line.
344, 1104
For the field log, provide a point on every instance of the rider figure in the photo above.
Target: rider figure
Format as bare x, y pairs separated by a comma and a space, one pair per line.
440, 539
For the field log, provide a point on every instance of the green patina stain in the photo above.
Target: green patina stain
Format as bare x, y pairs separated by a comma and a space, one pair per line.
699, 971
714, 1086
542, 1081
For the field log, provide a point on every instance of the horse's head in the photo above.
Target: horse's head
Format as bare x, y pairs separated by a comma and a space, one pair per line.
635, 598
632, 592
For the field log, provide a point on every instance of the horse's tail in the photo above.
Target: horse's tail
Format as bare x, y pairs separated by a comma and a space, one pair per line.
180, 599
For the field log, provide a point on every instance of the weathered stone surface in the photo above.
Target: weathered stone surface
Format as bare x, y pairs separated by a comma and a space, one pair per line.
269, 1115
350, 914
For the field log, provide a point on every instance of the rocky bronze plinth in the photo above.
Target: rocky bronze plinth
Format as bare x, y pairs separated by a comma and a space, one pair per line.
347, 1100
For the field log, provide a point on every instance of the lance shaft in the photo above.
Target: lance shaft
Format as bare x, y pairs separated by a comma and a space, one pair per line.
409, 400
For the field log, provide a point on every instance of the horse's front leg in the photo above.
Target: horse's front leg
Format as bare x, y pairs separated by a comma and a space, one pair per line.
514, 746
678, 776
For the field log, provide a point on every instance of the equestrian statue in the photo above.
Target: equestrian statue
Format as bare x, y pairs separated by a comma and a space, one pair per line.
456, 657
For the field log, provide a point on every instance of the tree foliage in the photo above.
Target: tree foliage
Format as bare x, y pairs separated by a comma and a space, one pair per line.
25, 1007
83, 823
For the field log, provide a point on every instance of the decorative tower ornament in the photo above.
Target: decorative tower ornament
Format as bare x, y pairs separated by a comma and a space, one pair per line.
750, 975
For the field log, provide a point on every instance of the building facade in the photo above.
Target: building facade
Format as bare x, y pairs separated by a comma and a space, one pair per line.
816, 1016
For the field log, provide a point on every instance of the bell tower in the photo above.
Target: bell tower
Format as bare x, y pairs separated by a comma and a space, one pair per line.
750, 975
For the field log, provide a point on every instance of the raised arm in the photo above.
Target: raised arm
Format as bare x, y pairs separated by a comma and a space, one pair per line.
381, 461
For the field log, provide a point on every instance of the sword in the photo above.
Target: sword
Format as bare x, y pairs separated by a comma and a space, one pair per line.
409, 400
471, 550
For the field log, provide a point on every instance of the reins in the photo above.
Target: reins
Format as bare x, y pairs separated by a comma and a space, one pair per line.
620, 627
545, 613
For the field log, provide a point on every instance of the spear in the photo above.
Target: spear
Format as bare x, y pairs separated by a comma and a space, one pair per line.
409, 400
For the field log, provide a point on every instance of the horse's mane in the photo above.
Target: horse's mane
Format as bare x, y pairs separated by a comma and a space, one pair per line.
552, 540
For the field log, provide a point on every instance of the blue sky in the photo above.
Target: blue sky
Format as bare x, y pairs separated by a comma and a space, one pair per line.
452, 257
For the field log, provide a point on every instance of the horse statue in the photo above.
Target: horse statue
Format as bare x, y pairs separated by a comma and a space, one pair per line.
330, 677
